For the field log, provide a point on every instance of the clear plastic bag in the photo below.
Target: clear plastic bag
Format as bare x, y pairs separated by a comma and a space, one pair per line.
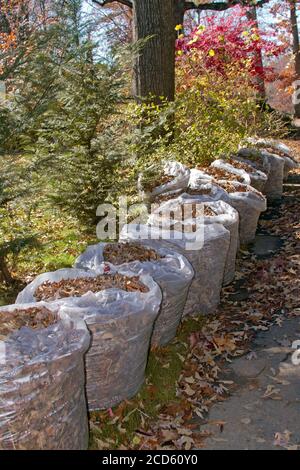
199, 177
206, 249
278, 148
250, 204
273, 188
229, 218
171, 271
180, 174
256, 178
271, 143
120, 323
261, 163
223, 214
43, 405
208, 190
274, 165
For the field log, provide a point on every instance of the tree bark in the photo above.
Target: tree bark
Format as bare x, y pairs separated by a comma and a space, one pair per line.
154, 68
296, 51
252, 15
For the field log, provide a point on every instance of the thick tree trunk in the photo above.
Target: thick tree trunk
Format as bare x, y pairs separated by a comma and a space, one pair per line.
179, 10
154, 68
296, 51
252, 15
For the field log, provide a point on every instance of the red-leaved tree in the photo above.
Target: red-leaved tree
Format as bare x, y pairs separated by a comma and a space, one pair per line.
231, 39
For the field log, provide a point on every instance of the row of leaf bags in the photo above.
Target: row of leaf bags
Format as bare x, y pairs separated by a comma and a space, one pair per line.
262, 164
252, 171
121, 323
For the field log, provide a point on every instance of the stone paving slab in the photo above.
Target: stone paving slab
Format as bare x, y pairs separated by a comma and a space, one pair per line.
264, 411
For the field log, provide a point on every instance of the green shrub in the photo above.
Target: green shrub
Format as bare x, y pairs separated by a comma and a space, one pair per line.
209, 118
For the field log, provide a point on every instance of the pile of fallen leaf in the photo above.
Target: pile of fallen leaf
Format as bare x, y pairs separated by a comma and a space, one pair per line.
167, 196
151, 185
255, 155
77, 287
119, 253
231, 188
241, 165
206, 191
220, 174
238, 188
273, 288
35, 318
257, 161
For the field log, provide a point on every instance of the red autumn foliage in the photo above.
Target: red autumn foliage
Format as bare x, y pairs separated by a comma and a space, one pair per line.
231, 39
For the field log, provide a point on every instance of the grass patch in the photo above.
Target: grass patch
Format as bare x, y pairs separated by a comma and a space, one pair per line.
8, 294
60, 239
158, 394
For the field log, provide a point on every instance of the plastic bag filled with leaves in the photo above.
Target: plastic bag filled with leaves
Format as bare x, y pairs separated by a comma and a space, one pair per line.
166, 177
42, 395
278, 148
252, 176
213, 212
119, 309
206, 249
219, 212
274, 185
169, 269
209, 174
249, 203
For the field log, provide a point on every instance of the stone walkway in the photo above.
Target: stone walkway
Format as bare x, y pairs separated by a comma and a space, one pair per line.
263, 412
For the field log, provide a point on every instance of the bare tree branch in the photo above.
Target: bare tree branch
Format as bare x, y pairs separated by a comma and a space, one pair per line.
217, 6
